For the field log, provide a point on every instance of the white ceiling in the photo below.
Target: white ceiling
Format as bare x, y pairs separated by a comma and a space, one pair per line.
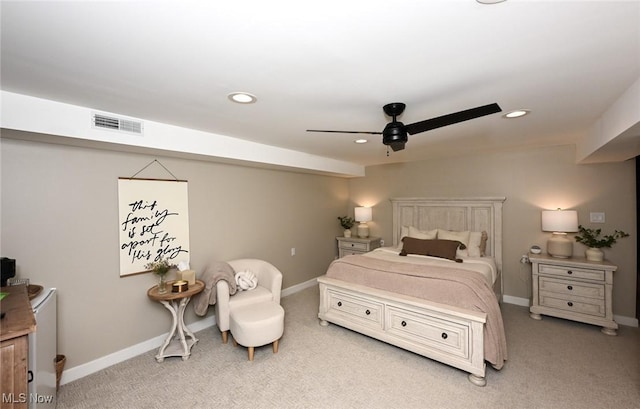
333, 65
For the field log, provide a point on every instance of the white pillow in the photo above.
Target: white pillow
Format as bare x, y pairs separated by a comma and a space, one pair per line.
410, 231
423, 234
475, 239
461, 236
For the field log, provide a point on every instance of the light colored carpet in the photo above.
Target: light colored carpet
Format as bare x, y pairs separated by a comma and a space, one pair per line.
552, 363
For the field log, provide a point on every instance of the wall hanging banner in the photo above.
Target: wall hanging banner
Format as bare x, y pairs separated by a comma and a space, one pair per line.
153, 222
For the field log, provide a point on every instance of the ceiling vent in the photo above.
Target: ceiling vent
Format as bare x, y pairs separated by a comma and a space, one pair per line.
113, 123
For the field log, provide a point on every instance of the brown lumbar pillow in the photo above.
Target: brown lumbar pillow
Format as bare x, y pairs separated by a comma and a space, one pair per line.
434, 248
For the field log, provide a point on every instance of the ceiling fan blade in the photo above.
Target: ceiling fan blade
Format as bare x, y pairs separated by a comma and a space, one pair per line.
451, 119
363, 132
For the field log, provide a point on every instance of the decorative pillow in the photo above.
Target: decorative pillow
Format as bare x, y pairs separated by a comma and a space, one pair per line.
461, 236
410, 231
435, 248
483, 244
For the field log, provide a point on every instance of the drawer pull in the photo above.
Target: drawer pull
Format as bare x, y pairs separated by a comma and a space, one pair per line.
569, 287
367, 312
352, 244
569, 272
570, 304
339, 303
444, 335
403, 323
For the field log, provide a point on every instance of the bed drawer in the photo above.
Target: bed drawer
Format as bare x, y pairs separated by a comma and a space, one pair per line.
571, 288
365, 312
574, 273
428, 331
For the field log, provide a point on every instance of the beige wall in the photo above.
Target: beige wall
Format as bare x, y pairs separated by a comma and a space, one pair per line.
59, 221
531, 180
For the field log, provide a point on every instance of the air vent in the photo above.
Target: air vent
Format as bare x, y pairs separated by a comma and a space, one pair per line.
116, 124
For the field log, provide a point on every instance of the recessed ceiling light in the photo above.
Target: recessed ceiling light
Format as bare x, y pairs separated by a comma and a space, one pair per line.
490, 1
242, 97
361, 141
517, 113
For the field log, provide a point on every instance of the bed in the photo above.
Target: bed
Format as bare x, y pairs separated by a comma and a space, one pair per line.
436, 307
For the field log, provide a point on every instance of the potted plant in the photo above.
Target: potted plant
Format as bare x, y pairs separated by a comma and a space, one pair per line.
347, 223
160, 268
591, 238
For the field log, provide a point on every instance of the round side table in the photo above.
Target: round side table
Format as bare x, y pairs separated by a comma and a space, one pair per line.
176, 303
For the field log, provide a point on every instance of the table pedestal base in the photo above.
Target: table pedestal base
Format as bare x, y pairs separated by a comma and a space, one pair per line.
176, 343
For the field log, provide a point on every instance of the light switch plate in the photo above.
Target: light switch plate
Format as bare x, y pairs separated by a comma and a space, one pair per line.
596, 217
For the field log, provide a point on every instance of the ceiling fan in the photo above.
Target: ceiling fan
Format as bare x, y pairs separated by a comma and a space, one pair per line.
395, 133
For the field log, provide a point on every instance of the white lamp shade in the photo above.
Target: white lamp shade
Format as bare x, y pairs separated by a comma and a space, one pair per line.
560, 220
363, 214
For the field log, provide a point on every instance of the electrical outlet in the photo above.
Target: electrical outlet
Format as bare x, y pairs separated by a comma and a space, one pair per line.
524, 259
382, 243
293, 251
596, 217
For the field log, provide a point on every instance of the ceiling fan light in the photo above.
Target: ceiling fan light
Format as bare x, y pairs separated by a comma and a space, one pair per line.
394, 135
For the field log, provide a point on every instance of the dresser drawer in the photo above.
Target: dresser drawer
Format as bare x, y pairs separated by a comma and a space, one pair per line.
429, 332
581, 273
365, 312
581, 305
571, 288
354, 246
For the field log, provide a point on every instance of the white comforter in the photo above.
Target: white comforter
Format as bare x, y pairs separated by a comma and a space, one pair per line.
486, 266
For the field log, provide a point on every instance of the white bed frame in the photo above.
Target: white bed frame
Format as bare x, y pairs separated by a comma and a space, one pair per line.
451, 335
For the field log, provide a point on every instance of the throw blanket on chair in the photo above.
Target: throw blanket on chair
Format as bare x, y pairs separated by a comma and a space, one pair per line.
246, 280
212, 274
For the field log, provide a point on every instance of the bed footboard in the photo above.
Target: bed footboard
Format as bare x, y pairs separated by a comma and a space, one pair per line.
444, 333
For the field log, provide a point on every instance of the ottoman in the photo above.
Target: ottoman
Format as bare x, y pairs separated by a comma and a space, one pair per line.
258, 324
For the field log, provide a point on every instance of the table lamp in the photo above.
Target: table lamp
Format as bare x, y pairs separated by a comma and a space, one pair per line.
363, 215
560, 222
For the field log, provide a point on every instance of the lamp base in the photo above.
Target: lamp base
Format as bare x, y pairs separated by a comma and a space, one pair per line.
363, 230
560, 246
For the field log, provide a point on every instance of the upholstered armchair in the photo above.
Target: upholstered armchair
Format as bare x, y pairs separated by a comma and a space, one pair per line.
268, 289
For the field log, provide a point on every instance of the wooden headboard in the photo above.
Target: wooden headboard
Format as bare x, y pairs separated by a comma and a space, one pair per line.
459, 214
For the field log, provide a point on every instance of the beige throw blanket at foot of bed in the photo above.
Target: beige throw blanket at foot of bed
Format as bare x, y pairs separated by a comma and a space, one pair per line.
451, 286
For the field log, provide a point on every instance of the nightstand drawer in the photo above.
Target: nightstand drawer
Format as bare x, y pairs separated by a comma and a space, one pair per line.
582, 273
571, 288
579, 305
344, 252
354, 246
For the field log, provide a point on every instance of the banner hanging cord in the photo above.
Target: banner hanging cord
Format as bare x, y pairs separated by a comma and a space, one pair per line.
151, 163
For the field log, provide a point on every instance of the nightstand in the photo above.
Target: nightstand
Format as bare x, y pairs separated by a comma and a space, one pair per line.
355, 245
573, 288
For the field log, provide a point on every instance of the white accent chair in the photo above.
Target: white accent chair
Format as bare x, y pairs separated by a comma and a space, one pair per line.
268, 289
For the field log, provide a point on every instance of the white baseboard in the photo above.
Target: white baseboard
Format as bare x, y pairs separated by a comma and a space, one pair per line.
299, 287
510, 299
80, 371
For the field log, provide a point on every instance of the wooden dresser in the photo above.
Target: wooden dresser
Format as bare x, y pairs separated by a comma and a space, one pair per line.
573, 288
16, 326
